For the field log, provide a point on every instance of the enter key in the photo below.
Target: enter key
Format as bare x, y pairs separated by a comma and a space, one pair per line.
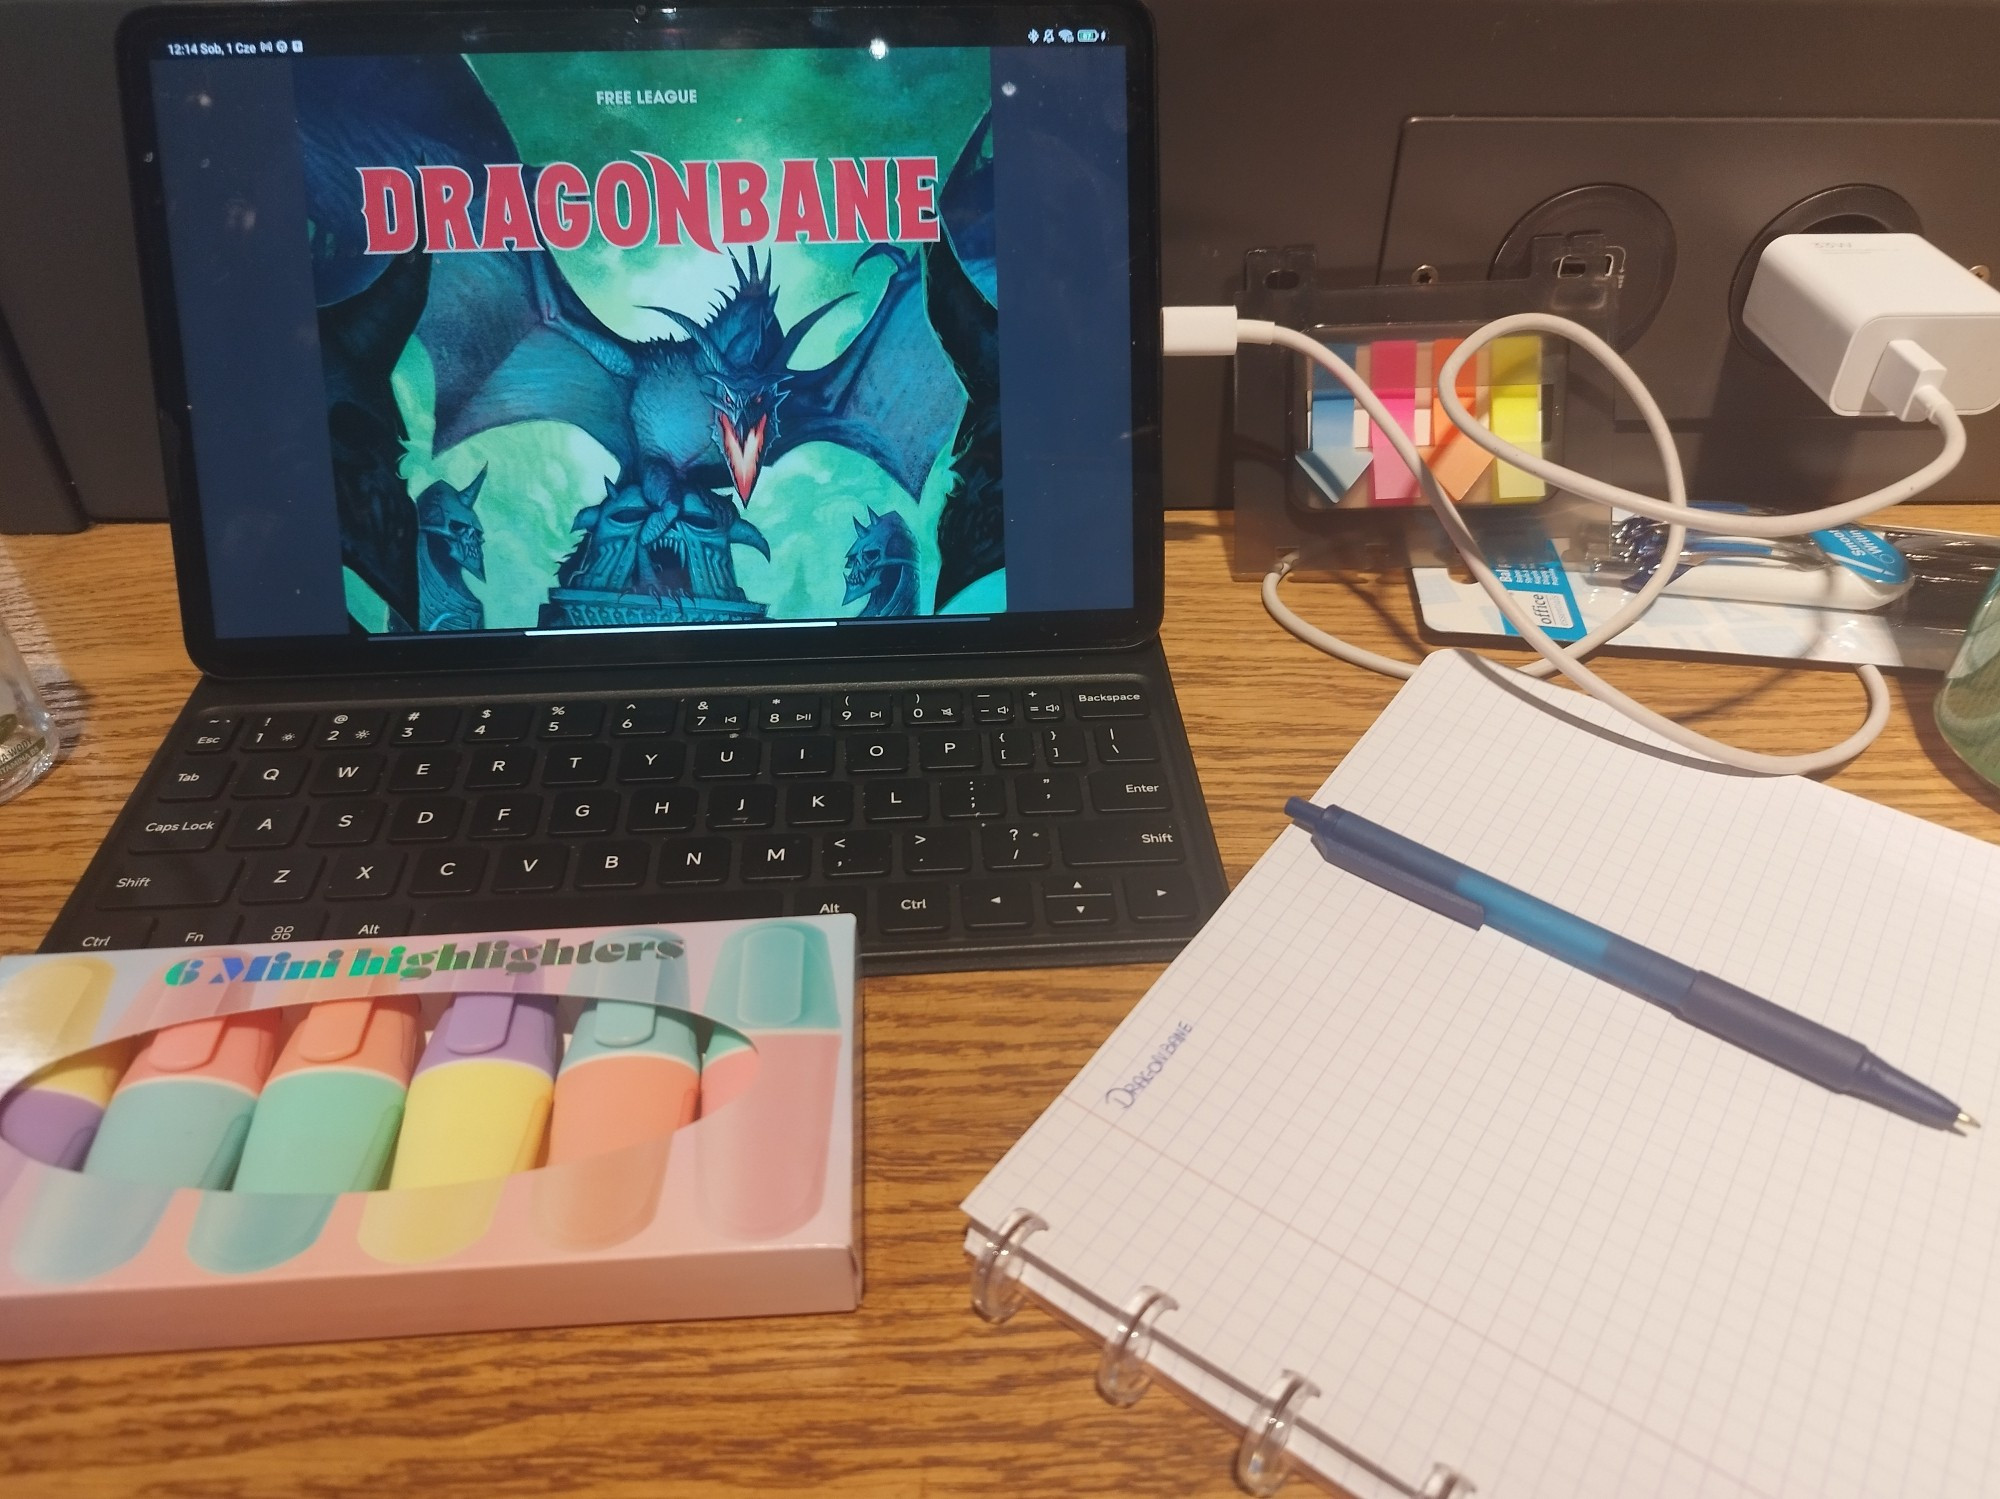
1133, 790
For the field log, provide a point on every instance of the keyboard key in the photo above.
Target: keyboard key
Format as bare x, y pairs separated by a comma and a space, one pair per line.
943, 749
896, 801
972, 796
1014, 848
856, 855
718, 715
791, 713
424, 770
611, 866
1013, 748
426, 819
354, 774
506, 816
529, 870
266, 827
168, 880
338, 824
99, 933
995, 905
171, 832
269, 776
279, 879
878, 754
909, 909
937, 851
1065, 746
727, 760
742, 807
447, 872
193, 781
196, 931
584, 812
276, 731
351, 922
863, 710
1050, 795
1128, 791
500, 769
1110, 701
348, 730
644, 764
291, 926
571, 720
1123, 743
1041, 704
996, 705
693, 861
503, 723
852, 901
208, 735
932, 707
670, 811
367, 876
819, 806
1079, 910
777, 856
1160, 897
1137, 840
802, 757
577, 765
644, 716
606, 908
423, 726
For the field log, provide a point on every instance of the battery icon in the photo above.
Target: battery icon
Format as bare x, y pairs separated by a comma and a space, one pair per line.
1087, 34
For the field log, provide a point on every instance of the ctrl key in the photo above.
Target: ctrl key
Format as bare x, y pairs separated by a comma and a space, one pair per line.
108, 933
165, 880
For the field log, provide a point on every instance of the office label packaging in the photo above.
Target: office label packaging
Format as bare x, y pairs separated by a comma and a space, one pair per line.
205, 1147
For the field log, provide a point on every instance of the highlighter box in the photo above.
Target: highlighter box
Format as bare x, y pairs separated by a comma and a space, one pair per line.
230, 1146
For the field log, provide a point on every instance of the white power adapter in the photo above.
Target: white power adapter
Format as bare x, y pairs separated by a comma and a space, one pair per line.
1870, 320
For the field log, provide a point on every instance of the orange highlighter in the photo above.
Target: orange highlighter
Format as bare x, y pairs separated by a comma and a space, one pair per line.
628, 1082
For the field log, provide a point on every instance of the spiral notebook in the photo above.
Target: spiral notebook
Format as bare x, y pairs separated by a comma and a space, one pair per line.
1523, 1231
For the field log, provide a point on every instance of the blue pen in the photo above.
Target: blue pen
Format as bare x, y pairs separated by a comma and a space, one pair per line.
1791, 1041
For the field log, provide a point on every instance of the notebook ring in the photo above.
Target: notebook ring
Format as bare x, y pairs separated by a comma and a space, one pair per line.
1261, 1464
1445, 1482
1123, 1374
996, 1274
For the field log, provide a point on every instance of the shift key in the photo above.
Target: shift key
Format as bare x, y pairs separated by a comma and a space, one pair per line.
1125, 840
168, 880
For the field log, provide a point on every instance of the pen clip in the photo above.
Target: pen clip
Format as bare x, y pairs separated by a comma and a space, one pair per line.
1401, 882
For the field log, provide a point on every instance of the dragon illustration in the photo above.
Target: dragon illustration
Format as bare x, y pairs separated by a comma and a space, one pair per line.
690, 419
882, 566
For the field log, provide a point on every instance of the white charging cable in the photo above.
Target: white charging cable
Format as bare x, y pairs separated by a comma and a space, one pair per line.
1217, 330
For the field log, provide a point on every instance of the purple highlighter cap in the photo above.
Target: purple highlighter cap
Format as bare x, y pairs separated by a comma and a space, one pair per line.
496, 1028
50, 1126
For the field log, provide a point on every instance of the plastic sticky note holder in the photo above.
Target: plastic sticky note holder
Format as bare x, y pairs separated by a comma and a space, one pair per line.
1316, 478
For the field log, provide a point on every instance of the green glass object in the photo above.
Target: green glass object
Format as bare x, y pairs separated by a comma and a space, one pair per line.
1968, 706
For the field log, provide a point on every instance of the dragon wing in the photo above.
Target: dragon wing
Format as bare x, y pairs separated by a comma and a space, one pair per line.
511, 341
898, 391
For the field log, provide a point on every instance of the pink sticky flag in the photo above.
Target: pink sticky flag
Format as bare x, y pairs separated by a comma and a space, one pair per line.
1392, 374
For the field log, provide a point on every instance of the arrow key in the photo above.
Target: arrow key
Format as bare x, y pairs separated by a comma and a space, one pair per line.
995, 905
1160, 897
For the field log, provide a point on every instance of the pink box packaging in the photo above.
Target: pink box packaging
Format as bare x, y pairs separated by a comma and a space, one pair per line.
211, 1147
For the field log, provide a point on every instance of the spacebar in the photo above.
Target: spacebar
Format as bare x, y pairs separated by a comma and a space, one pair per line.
634, 908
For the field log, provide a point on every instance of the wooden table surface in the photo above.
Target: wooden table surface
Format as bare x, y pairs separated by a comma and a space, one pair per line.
910, 1395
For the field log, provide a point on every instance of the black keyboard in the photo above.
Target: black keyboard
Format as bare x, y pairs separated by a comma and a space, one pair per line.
964, 825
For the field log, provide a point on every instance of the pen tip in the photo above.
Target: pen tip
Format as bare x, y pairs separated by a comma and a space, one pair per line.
1966, 1121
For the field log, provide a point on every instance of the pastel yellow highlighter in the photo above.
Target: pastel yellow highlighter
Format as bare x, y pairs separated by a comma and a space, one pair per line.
477, 1112
51, 1010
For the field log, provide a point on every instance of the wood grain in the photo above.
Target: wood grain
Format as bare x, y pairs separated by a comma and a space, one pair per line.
912, 1394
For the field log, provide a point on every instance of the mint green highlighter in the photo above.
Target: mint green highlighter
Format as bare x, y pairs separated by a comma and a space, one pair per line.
325, 1124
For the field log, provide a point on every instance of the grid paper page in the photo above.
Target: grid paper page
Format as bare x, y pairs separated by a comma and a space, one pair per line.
1515, 1220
